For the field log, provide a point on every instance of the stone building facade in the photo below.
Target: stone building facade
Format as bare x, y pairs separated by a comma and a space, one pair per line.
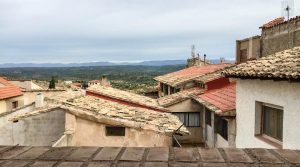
276, 35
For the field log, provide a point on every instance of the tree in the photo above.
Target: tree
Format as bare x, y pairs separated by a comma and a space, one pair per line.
85, 85
52, 83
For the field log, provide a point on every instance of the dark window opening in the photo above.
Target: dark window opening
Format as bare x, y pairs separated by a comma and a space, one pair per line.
189, 119
14, 104
115, 131
222, 128
207, 117
272, 122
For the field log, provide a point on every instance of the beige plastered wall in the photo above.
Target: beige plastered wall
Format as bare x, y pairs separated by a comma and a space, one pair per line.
89, 133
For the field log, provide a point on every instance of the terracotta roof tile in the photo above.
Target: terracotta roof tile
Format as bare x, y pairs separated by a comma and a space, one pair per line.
189, 74
284, 65
273, 23
8, 90
220, 100
278, 21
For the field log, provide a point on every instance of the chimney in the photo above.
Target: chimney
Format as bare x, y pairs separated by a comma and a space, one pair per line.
204, 58
39, 100
198, 59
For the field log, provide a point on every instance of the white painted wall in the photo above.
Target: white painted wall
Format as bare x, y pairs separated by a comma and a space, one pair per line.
281, 93
221, 142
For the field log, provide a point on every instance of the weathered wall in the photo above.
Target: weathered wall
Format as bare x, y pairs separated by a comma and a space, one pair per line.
90, 133
6, 126
196, 132
281, 93
40, 130
6, 104
280, 37
252, 45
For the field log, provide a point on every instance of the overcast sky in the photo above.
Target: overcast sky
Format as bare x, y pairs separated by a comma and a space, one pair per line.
68, 31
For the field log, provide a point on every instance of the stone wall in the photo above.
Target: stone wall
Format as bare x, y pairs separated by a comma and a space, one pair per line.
280, 37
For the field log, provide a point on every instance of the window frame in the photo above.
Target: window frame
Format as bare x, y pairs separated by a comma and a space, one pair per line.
14, 104
115, 127
264, 134
186, 118
259, 124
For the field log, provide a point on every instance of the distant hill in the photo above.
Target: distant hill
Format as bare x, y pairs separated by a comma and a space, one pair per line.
143, 63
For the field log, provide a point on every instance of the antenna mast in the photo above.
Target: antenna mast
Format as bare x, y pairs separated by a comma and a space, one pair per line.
287, 8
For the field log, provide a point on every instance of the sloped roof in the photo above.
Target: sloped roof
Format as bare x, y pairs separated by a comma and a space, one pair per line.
209, 77
8, 90
178, 97
222, 101
284, 65
125, 96
189, 74
273, 23
108, 112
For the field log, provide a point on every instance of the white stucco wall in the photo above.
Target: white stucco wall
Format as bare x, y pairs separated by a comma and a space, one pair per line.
281, 93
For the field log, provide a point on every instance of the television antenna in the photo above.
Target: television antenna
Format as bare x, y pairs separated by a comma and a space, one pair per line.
287, 8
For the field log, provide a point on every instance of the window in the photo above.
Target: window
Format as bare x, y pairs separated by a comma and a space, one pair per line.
189, 119
115, 131
207, 117
272, 122
222, 128
14, 104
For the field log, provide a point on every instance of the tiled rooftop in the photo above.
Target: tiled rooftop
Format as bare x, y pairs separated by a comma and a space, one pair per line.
273, 23
284, 65
222, 100
8, 90
189, 74
125, 96
16, 156
108, 112
178, 97
209, 77
278, 21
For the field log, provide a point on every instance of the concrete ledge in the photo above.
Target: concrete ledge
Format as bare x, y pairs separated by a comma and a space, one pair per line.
144, 157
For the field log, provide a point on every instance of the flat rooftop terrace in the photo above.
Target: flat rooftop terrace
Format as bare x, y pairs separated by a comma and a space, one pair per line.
16, 156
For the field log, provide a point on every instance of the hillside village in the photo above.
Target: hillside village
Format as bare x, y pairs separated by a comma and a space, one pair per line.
254, 103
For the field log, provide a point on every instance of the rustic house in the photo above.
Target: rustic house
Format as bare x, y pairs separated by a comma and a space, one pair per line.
218, 108
267, 101
11, 96
189, 110
185, 79
92, 121
276, 35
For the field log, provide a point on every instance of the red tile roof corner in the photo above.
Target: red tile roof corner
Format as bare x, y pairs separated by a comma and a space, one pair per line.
220, 100
8, 90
